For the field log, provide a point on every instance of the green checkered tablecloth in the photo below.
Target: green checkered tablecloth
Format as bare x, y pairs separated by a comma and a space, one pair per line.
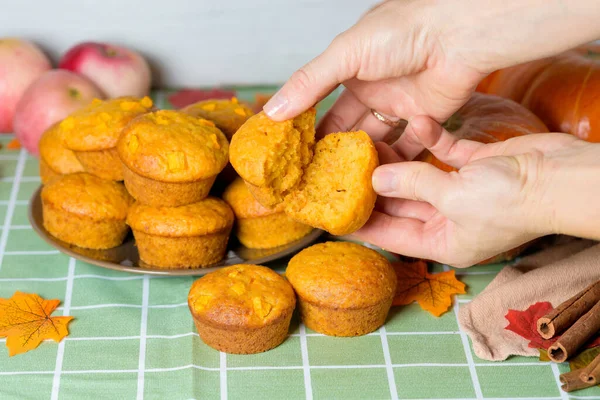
133, 336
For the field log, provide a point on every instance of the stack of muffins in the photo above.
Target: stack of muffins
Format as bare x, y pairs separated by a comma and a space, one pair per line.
121, 163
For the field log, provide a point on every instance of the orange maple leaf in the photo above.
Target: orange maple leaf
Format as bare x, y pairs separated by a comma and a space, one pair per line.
25, 322
14, 144
433, 292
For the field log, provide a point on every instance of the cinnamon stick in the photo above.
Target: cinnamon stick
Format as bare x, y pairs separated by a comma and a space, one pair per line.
559, 319
576, 335
571, 382
591, 373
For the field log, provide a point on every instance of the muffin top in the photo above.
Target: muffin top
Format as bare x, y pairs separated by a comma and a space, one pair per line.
87, 195
273, 155
55, 154
341, 275
248, 296
228, 115
99, 125
210, 215
171, 146
244, 205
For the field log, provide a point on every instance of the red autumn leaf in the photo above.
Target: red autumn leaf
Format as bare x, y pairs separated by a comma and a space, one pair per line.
524, 324
185, 97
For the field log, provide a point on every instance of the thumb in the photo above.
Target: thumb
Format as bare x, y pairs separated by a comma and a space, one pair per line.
412, 180
315, 80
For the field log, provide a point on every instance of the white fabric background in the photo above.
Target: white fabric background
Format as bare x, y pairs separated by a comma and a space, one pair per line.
191, 42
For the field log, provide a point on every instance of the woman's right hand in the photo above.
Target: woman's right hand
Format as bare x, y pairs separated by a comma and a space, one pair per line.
505, 194
425, 57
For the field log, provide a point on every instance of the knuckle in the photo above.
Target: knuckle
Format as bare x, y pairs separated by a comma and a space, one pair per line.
413, 182
301, 79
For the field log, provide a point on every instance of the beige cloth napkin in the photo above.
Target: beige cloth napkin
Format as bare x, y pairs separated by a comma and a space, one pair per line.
553, 274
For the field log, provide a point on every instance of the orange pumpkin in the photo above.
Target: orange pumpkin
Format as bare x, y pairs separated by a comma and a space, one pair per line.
487, 119
562, 90
513, 82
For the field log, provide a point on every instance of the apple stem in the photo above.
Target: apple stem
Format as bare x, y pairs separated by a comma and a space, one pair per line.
74, 93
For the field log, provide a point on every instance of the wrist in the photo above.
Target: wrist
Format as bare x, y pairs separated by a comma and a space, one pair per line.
496, 34
568, 194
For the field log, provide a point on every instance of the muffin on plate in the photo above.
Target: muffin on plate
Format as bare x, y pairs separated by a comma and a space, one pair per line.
190, 236
228, 115
335, 193
171, 158
93, 131
86, 211
55, 158
344, 289
258, 227
242, 309
271, 156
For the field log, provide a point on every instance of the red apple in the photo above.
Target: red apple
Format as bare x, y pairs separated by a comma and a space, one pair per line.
50, 99
21, 63
116, 70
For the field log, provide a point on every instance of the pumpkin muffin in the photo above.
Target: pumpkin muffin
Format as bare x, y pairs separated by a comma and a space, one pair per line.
171, 158
242, 309
344, 289
55, 158
93, 131
336, 193
228, 115
258, 227
190, 236
326, 186
271, 156
86, 211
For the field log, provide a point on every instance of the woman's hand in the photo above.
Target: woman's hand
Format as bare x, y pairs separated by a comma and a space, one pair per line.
424, 57
392, 61
505, 194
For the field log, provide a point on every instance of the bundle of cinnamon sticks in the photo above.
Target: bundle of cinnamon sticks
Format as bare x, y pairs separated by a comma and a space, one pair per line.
576, 321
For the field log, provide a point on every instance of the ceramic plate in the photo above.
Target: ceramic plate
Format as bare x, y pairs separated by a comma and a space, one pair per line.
125, 257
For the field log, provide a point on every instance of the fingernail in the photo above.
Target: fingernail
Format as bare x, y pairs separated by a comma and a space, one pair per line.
384, 180
276, 104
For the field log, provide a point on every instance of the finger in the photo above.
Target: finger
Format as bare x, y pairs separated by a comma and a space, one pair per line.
405, 208
404, 236
312, 82
387, 155
343, 115
376, 129
425, 133
413, 181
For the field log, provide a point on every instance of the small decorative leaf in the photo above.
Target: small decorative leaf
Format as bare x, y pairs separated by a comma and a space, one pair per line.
14, 144
25, 322
433, 292
524, 324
